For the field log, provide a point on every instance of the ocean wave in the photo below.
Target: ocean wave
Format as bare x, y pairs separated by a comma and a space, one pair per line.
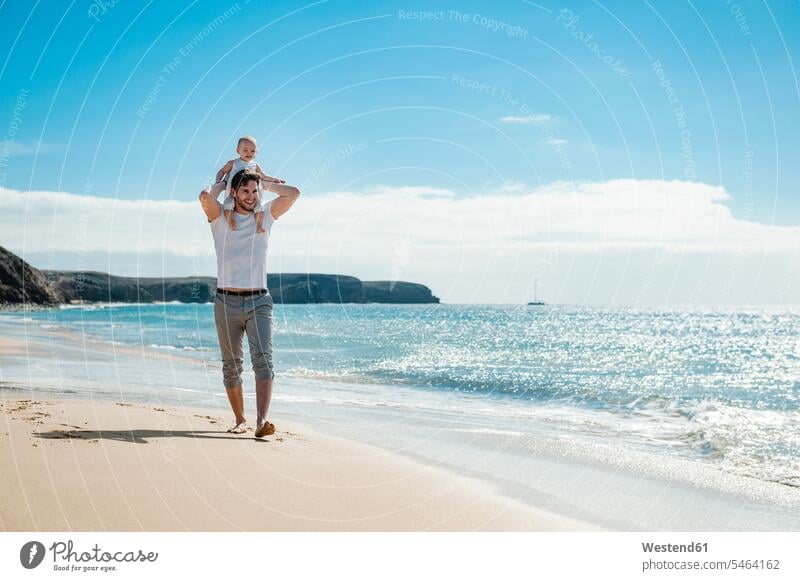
763, 444
98, 306
176, 348
94, 306
714, 431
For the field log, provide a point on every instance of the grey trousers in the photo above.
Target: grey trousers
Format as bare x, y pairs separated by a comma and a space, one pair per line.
234, 316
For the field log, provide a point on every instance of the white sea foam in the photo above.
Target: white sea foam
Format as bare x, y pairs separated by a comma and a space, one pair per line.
490, 431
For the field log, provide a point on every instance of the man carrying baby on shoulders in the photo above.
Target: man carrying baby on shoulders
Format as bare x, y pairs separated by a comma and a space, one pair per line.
243, 305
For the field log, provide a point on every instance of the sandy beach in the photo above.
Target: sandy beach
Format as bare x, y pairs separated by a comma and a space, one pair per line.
99, 434
82, 465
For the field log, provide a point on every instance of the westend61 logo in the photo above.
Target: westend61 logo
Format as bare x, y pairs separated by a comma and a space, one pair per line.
32, 554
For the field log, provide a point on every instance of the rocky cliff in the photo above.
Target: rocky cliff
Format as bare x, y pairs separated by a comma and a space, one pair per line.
21, 283
287, 288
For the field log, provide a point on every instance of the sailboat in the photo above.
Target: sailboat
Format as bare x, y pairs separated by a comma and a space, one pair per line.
535, 302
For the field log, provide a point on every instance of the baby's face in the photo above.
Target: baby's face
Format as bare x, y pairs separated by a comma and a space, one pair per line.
247, 151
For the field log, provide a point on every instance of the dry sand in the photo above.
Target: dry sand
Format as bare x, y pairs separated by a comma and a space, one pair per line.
82, 465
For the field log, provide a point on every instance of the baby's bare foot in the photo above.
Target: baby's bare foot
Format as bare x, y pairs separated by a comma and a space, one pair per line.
260, 229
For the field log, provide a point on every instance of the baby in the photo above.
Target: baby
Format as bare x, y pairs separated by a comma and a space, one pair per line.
247, 148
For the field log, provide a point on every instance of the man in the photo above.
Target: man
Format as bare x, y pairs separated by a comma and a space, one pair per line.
243, 303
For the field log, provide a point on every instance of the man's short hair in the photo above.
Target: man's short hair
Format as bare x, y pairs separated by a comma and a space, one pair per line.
243, 177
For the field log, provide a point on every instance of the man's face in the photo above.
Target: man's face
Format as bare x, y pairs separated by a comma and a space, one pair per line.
246, 196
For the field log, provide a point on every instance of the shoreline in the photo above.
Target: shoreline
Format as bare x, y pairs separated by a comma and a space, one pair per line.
596, 485
83, 464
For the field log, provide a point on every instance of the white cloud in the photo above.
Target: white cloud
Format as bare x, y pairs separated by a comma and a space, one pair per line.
423, 234
513, 186
413, 191
535, 119
556, 141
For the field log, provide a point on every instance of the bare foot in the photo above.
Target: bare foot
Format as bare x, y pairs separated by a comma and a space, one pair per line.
239, 428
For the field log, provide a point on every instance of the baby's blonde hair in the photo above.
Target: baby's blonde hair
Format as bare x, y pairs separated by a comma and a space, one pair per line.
249, 138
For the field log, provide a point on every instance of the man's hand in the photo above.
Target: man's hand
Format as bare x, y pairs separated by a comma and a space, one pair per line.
211, 206
287, 196
222, 185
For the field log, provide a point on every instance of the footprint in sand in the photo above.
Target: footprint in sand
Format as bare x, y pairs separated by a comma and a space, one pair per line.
37, 418
211, 419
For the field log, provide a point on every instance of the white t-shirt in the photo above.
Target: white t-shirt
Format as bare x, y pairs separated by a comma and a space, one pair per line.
242, 253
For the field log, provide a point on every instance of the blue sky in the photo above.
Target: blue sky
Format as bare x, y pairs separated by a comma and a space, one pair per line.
137, 100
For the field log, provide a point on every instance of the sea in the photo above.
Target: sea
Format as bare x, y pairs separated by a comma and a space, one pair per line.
711, 393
